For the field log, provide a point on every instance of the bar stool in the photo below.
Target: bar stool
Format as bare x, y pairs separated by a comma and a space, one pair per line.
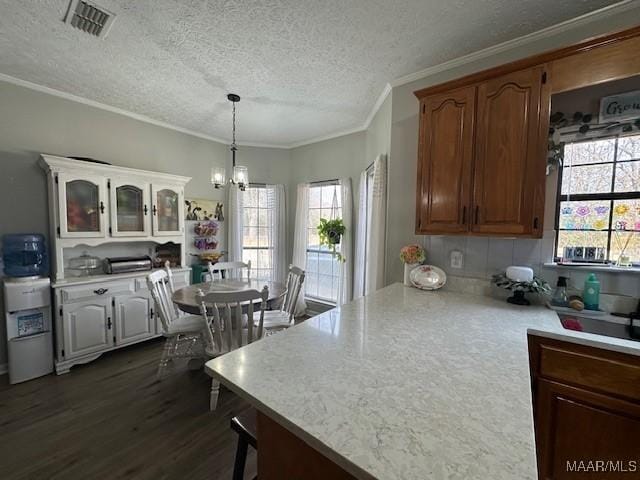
245, 425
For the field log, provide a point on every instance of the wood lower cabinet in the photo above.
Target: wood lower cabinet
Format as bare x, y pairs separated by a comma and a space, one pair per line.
482, 161
445, 164
509, 165
587, 411
283, 455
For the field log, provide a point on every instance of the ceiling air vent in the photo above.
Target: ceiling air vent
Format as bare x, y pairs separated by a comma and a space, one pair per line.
89, 18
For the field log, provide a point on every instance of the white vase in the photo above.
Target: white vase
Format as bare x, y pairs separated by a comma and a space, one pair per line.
407, 270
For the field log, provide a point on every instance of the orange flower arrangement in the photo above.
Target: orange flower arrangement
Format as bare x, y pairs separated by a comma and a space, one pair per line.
412, 254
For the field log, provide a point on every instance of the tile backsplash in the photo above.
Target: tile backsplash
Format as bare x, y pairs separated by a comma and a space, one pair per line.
486, 256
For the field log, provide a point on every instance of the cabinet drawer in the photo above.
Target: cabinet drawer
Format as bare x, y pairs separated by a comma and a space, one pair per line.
596, 369
96, 290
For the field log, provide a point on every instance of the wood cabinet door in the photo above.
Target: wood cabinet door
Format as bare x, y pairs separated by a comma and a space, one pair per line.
576, 428
134, 320
444, 162
509, 167
87, 327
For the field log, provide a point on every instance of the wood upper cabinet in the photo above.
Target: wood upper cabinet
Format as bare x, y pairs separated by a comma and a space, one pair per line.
509, 161
445, 162
481, 160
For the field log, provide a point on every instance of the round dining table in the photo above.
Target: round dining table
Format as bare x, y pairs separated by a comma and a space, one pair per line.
185, 298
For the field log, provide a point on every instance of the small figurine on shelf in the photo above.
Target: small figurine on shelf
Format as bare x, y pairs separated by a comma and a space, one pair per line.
219, 215
515, 282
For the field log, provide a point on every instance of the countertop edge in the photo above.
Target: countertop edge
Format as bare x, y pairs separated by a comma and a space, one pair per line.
590, 340
106, 277
293, 428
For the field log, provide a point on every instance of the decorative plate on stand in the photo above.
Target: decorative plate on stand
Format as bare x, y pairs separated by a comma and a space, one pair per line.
428, 277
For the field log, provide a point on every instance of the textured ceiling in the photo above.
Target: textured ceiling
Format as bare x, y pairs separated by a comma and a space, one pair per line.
304, 68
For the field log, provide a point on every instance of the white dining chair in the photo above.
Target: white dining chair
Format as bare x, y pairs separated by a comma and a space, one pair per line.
230, 270
284, 317
184, 334
172, 286
222, 312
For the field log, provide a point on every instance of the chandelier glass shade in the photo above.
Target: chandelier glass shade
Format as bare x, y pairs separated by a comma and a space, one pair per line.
239, 174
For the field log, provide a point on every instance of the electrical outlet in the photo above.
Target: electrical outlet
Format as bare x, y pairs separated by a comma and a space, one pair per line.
457, 259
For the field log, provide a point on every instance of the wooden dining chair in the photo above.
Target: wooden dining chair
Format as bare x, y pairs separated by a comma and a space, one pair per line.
222, 312
284, 317
230, 270
184, 334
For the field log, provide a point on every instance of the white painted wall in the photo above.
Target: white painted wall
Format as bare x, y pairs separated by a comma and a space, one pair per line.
33, 122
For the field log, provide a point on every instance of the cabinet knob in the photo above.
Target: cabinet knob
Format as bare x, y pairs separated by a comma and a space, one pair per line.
109, 323
101, 291
154, 210
101, 207
145, 209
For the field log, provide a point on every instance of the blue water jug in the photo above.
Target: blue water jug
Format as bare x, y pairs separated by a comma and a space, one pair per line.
24, 255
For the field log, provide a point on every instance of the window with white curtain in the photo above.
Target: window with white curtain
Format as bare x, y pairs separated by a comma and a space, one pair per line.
258, 234
322, 267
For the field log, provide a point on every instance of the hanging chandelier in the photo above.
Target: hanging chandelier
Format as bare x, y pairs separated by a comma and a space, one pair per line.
240, 174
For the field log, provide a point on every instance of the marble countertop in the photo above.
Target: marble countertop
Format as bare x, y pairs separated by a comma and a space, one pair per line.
406, 384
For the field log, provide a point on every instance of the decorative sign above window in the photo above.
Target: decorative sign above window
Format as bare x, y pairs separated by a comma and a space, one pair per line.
615, 108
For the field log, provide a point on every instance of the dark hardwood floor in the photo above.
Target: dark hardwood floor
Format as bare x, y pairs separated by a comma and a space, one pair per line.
111, 419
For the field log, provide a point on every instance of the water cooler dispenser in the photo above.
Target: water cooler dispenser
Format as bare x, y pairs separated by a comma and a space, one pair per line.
27, 302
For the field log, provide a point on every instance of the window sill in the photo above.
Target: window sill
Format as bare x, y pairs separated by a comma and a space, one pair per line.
595, 268
325, 303
316, 306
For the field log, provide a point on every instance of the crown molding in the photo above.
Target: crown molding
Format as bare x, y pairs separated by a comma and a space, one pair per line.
567, 25
372, 113
136, 116
533, 37
376, 106
330, 136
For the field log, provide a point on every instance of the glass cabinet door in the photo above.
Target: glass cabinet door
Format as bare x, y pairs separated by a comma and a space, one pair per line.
82, 206
168, 210
129, 209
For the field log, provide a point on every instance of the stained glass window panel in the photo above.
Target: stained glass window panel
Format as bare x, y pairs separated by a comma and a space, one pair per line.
588, 215
627, 242
583, 153
627, 177
580, 239
626, 215
587, 179
629, 148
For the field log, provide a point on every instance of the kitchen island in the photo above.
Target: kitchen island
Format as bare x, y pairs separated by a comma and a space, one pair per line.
406, 384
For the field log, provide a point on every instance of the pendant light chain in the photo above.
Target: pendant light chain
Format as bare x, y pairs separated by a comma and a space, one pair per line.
233, 142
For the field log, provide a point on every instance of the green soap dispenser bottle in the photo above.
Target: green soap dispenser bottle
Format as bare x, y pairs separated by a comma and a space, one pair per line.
591, 294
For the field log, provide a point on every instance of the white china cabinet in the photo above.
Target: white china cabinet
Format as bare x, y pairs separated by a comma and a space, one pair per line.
101, 206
